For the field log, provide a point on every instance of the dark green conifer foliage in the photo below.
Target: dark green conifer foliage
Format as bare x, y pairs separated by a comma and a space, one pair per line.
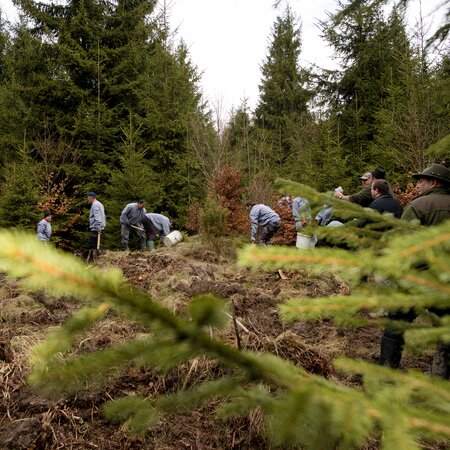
19, 192
132, 180
368, 47
171, 101
283, 96
412, 115
78, 70
21, 118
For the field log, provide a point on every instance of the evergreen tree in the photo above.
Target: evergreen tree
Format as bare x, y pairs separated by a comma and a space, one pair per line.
134, 179
79, 70
413, 116
239, 137
283, 97
368, 47
171, 101
21, 118
20, 193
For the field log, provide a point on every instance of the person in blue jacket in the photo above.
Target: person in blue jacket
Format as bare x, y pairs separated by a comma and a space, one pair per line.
301, 210
97, 221
261, 216
159, 224
133, 216
44, 228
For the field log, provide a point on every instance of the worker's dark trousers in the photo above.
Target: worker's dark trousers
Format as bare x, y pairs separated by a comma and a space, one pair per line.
392, 343
149, 228
269, 231
125, 231
93, 239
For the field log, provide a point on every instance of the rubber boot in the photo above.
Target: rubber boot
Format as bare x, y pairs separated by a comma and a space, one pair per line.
143, 244
390, 352
150, 245
125, 246
440, 366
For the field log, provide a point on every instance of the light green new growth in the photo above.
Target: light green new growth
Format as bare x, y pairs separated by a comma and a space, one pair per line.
300, 408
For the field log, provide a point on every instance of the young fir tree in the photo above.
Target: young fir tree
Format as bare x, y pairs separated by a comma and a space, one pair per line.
134, 179
399, 408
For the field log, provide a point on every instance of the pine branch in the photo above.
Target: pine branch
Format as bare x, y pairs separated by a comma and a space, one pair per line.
63, 338
422, 337
303, 408
342, 309
437, 389
319, 260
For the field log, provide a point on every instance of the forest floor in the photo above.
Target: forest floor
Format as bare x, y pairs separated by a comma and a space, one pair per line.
173, 276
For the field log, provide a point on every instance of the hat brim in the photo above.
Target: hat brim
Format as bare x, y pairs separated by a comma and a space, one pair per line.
426, 175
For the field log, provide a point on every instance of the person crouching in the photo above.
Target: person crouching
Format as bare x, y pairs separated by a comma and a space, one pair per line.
261, 216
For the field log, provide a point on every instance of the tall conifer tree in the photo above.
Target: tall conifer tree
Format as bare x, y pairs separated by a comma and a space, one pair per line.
283, 97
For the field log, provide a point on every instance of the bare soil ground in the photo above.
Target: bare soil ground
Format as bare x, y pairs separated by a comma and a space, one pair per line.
173, 276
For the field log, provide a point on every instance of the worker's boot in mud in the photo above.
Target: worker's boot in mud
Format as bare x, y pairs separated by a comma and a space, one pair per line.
150, 245
440, 366
390, 352
143, 245
125, 246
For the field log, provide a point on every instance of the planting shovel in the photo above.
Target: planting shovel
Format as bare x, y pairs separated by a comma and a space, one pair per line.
137, 228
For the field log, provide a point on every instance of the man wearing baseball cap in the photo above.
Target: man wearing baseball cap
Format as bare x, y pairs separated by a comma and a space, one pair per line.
97, 223
430, 207
364, 196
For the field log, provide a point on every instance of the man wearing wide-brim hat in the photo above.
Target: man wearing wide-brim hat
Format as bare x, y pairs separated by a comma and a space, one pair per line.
432, 205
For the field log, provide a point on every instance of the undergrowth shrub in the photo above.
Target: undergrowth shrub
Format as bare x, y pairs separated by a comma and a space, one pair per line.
226, 185
404, 196
213, 224
193, 217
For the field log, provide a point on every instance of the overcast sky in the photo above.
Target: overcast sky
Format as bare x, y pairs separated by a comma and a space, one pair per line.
228, 39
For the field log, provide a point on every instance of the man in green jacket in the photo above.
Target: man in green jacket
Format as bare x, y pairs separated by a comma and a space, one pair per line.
430, 207
364, 196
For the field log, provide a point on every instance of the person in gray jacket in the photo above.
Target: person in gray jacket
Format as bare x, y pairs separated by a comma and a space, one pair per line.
133, 215
97, 221
261, 216
44, 228
301, 210
160, 224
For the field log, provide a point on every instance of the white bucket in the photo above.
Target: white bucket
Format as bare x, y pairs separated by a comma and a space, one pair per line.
173, 239
303, 241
